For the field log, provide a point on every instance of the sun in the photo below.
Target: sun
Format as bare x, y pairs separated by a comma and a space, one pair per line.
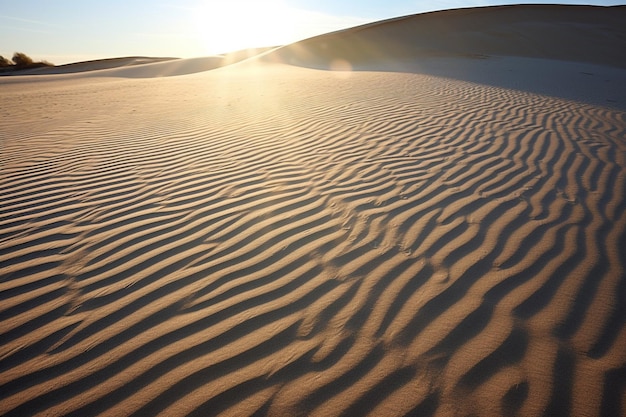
226, 26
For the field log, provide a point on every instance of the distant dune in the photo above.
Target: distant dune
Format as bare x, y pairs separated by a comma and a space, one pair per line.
571, 33
144, 67
420, 217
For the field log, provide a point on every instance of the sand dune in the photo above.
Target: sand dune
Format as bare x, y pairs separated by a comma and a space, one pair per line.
268, 239
123, 68
91, 65
137, 67
571, 33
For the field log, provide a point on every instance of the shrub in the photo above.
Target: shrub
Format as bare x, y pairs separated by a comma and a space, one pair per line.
22, 60
4, 62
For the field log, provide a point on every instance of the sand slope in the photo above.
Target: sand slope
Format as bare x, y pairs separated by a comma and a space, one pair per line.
571, 33
265, 239
134, 67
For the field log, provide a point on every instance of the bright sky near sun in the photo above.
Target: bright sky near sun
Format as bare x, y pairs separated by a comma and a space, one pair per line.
63, 31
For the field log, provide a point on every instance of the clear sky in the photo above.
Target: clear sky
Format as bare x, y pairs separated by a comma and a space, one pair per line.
63, 31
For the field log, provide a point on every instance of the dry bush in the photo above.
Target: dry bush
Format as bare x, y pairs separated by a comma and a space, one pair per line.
5, 62
22, 60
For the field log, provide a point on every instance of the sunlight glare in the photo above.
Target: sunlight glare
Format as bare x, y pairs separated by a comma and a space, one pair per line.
227, 26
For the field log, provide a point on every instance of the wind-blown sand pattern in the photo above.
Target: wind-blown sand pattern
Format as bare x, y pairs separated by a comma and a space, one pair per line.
266, 239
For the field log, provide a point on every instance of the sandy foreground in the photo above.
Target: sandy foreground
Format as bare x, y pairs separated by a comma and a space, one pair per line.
436, 233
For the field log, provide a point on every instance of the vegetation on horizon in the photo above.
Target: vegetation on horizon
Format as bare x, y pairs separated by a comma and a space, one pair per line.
21, 61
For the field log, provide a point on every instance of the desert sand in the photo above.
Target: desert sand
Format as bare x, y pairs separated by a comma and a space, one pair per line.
424, 216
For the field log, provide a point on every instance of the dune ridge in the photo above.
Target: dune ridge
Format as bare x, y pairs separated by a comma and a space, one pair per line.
136, 67
268, 239
591, 34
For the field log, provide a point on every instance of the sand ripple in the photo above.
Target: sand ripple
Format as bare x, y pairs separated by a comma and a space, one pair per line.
281, 241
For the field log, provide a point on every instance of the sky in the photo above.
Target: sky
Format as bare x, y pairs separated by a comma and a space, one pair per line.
64, 31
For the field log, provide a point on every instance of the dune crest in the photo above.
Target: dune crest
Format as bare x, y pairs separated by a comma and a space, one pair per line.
137, 67
570, 33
